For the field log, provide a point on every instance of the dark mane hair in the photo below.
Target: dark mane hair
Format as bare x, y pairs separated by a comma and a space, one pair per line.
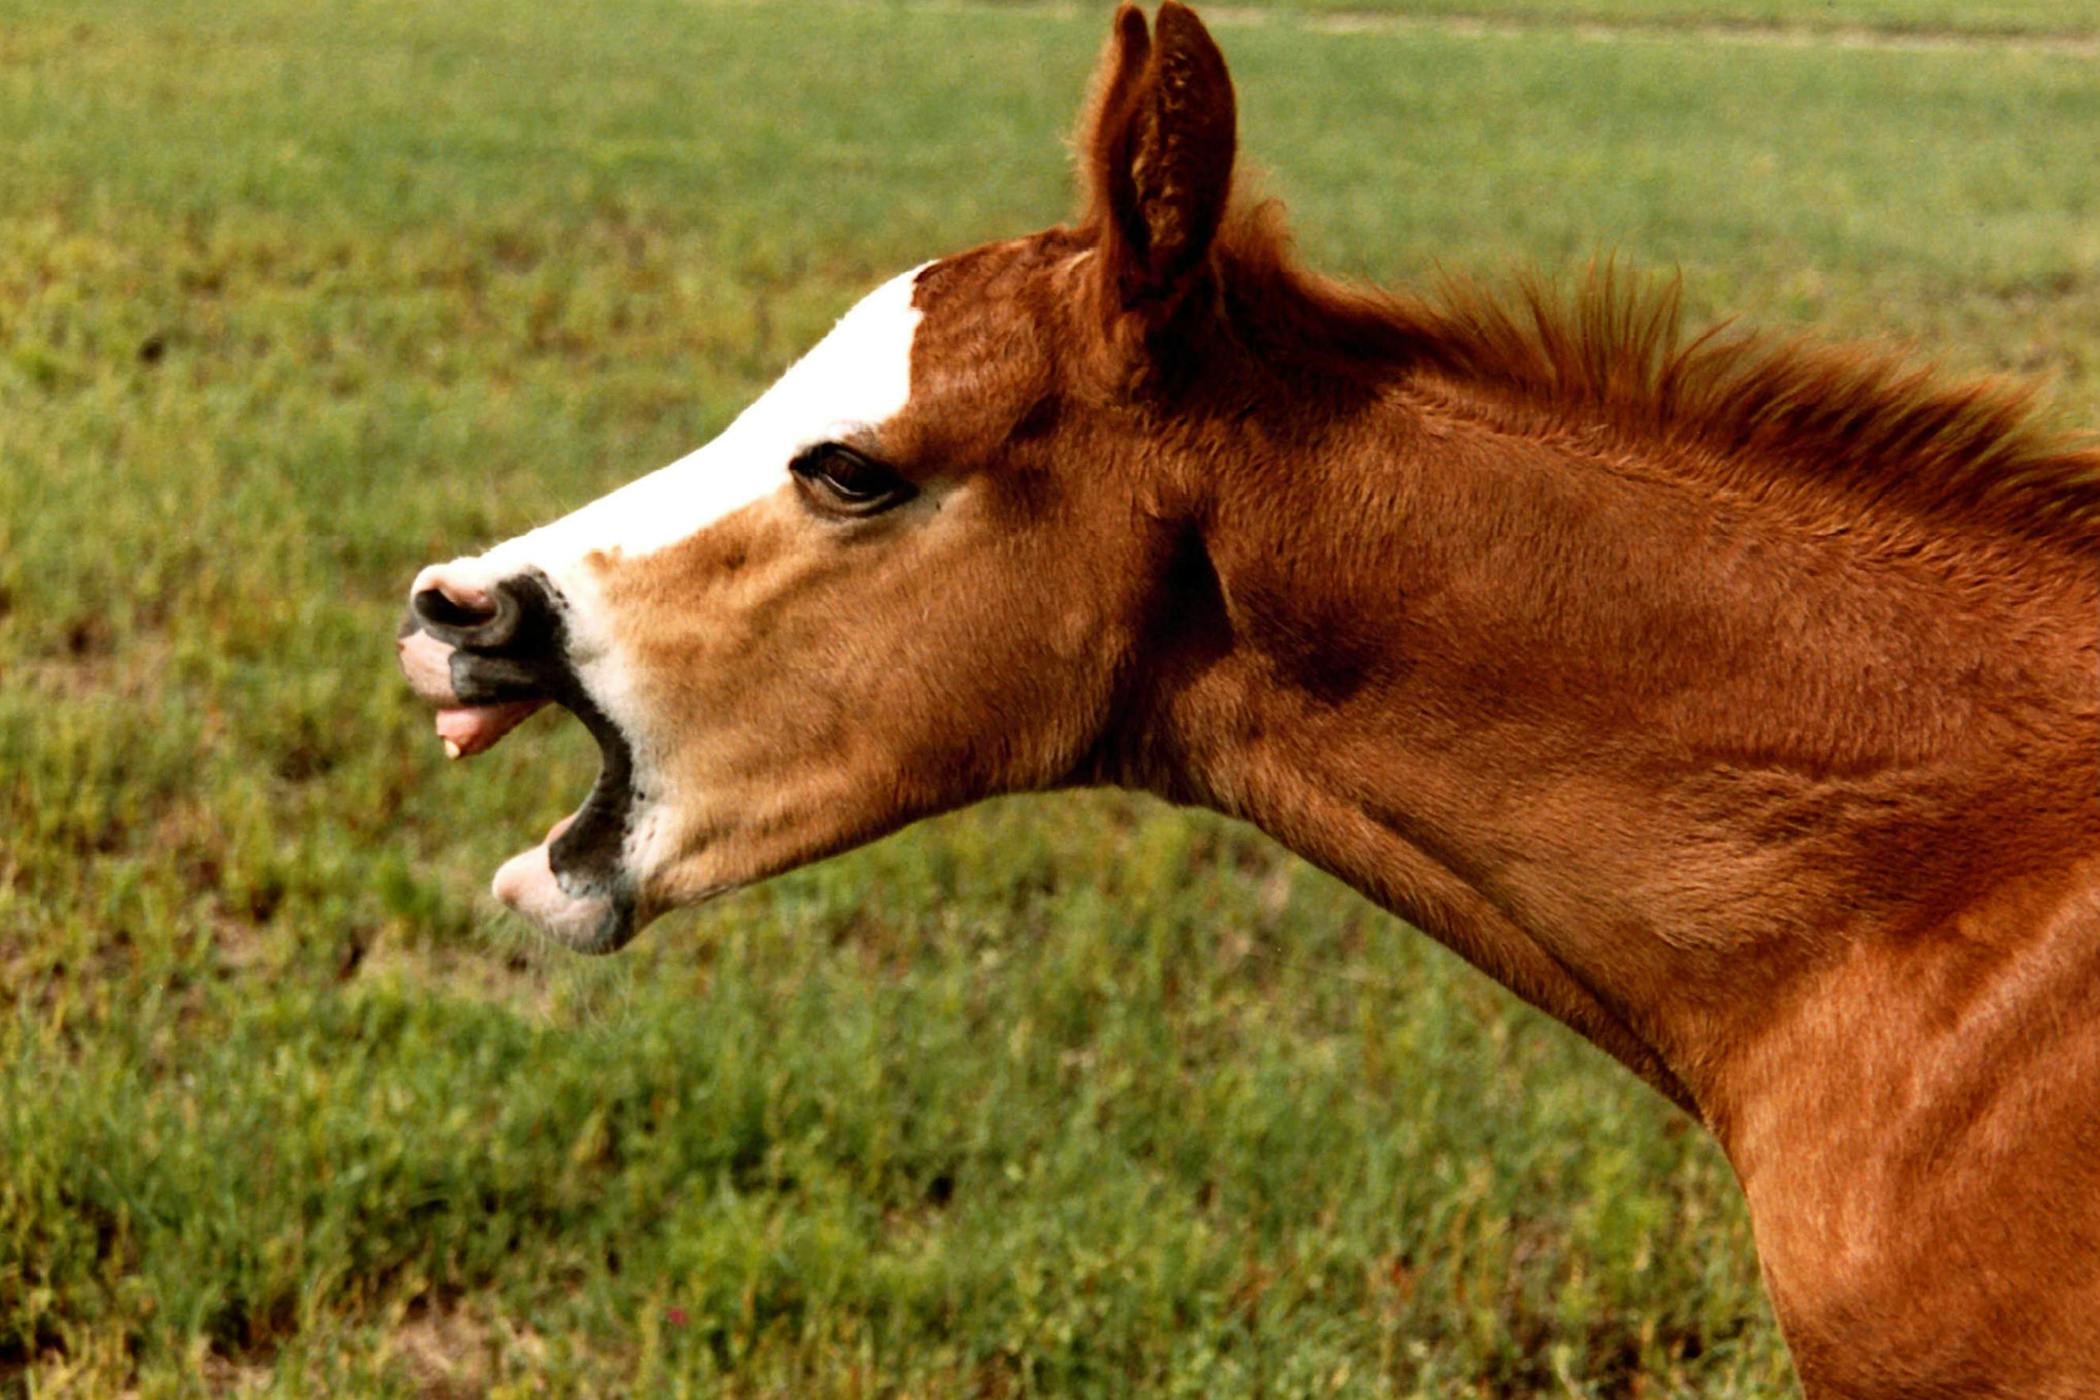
1615, 352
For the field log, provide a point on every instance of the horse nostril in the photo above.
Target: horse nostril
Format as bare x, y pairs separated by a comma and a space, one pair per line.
459, 608
465, 615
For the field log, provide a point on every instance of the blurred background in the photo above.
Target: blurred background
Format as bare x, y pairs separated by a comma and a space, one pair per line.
1074, 1095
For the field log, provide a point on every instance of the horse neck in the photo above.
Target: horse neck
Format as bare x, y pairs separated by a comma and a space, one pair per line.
1648, 755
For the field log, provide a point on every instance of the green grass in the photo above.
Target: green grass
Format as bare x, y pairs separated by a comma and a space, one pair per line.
1896, 18
1061, 1096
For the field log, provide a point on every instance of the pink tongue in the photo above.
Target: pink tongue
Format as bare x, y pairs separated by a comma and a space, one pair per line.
468, 729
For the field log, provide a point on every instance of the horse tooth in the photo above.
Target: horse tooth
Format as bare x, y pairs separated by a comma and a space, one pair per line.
452, 748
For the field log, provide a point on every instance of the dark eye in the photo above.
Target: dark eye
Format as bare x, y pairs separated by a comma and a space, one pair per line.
841, 481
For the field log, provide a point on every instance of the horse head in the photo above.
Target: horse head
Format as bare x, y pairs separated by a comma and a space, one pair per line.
916, 572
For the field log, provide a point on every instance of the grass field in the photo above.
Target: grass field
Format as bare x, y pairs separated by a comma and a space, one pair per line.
1060, 1096
1923, 19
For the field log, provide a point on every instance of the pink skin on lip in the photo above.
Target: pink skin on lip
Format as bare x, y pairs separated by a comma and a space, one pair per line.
528, 877
427, 663
528, 884
466, 729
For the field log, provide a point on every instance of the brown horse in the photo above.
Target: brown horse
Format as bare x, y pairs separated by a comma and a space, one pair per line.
1733, 700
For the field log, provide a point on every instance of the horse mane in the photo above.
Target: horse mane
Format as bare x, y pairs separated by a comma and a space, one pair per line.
1615, 352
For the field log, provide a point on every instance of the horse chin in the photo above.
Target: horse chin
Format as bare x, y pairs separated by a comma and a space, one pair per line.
572, 913
574, 885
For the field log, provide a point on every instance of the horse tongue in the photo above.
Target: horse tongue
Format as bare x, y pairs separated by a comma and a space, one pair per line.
468, 729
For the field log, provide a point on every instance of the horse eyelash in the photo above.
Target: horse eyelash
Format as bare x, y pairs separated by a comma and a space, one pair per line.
807, 465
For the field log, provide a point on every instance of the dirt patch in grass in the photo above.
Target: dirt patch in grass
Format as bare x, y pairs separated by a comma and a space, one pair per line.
450, 1354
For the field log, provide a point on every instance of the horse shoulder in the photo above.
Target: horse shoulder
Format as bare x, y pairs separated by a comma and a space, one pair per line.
1917, 1141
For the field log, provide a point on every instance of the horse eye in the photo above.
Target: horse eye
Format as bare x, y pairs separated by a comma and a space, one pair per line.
838, 479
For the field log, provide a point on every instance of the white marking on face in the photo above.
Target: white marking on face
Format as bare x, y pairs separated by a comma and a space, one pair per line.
853, 380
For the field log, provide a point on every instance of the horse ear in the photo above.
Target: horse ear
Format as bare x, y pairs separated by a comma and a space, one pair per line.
1159, 156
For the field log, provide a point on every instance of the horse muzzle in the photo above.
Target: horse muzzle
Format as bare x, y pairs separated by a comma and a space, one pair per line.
487, 658
488, 655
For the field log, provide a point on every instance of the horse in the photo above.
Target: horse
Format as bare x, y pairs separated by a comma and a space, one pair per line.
1732, 698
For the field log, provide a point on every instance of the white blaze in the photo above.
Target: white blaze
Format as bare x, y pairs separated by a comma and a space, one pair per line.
853, 380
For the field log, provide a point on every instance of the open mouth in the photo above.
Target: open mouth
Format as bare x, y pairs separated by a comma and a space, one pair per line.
490, 659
